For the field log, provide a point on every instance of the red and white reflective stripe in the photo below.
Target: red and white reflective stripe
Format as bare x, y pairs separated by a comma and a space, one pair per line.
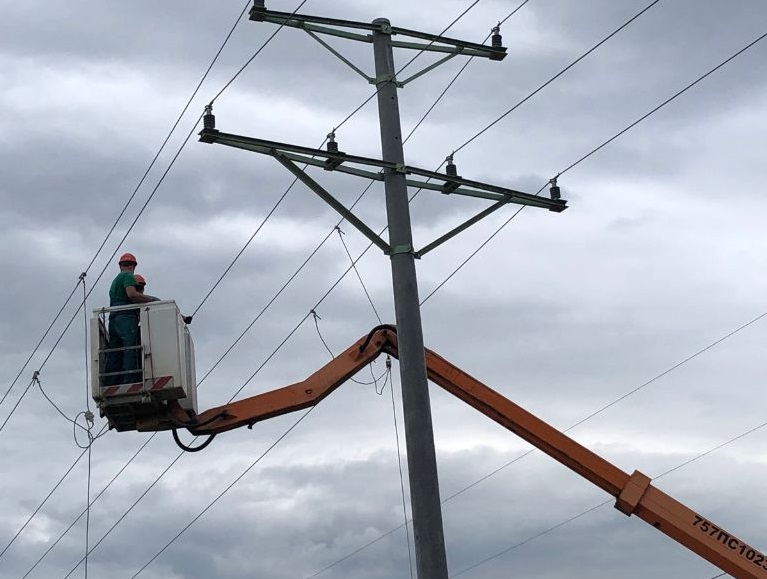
126, 389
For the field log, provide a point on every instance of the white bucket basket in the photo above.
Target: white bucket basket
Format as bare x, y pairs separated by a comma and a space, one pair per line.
166, 366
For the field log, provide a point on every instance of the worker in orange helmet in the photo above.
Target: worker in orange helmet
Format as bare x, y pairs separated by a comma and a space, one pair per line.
123, 357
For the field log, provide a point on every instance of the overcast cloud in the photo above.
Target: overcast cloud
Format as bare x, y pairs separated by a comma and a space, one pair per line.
660, 254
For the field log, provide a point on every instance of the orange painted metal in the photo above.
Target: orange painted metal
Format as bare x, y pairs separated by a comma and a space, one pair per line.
297, 396
634, 494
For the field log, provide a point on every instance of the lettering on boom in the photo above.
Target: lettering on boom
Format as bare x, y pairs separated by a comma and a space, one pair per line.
743, 549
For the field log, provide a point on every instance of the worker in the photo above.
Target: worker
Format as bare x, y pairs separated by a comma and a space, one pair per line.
123, 324
141, 284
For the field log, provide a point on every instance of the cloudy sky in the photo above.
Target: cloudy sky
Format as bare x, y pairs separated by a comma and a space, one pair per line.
661, 254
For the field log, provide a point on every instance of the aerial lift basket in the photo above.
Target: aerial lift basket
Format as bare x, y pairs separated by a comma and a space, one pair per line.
166, 365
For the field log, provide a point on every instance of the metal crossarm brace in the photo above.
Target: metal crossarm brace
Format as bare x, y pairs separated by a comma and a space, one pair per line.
333, 202
441, 182
322, 25
455, 231
340, 56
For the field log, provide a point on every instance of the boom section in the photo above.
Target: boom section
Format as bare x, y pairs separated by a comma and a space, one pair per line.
297, 396
634, 494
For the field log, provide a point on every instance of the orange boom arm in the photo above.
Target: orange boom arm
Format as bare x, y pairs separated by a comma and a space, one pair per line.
634, 494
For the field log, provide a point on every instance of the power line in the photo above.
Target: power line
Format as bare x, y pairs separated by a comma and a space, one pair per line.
162, 178
399, 466
151, 196
115, 252
347, 270
282, 343
701, 79
475, 3
274, 352
595, 150
45, 334
357, 273
602, 504
133, 194
588, 417
222, 493
292, 277
667, 101
145, 444
560, 73
455, 78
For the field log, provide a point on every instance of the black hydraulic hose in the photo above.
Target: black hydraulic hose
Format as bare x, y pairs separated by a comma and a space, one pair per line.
186, 448
366, 343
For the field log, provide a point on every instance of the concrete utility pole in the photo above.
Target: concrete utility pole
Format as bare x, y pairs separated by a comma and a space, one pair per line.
422, 464
419, 436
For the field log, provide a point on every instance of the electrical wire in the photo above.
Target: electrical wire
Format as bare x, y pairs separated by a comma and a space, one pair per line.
39, 343
73, 523
359, 277
508, 112
247, 63
339, 125
244, 247
458, 74
278, 294
222, 493
667, 101
607, 502
162, 178
575, 425
282, 343
88, 510
560, 73
409, 62
131, 197
146, 443
595, 150
36, 380
399, 466
56, 486
103, 270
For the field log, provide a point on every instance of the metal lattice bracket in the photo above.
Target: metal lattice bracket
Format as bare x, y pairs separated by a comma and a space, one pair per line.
290, 155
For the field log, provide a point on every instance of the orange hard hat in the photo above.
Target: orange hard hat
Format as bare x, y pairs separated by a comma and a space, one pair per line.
128, 258
140, 279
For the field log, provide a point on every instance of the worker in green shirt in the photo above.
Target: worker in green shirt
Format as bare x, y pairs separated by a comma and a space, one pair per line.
123, 359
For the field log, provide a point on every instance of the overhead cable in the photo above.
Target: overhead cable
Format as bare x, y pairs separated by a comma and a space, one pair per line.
133, 194
576, 424
595, 150
604, 503
162, 178
560, 73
